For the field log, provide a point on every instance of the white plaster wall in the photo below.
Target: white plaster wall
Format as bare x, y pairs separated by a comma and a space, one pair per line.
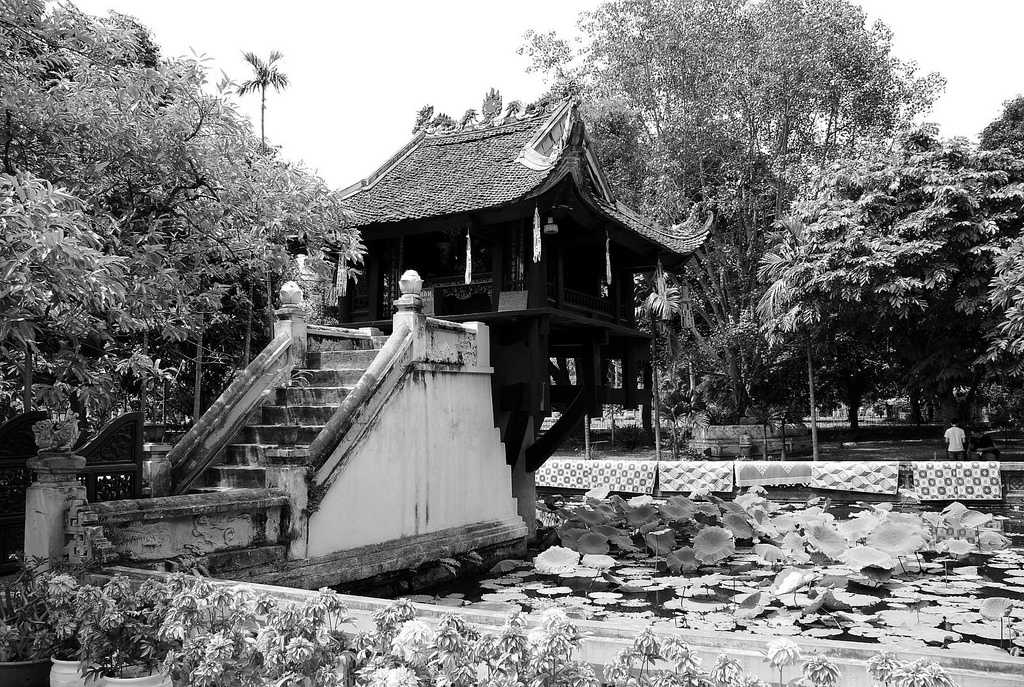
433, 460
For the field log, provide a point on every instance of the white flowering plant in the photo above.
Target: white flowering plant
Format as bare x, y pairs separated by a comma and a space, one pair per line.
118, 628
223, 636
404, 651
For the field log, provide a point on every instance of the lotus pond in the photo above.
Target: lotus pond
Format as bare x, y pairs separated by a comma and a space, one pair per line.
866, 573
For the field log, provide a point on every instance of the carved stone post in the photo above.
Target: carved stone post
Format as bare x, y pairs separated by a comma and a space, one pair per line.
46, 500
291, 317
409, 306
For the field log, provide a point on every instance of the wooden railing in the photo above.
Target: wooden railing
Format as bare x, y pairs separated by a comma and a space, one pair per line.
588, 303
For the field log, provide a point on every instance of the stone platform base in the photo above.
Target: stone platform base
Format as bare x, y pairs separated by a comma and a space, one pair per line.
372, 565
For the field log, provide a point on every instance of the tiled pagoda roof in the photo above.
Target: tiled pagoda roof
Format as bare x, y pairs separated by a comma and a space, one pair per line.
482, 166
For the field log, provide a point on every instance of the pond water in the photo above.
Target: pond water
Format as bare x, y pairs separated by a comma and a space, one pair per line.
929, 600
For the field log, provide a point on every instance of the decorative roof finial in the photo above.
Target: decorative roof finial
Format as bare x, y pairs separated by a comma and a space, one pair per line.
423, 118
491, 106
468, 118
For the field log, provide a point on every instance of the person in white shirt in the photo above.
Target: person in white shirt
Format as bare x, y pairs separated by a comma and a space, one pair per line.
955, 440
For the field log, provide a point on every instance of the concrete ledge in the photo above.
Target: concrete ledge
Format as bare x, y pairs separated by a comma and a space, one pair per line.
167, 507
410, 552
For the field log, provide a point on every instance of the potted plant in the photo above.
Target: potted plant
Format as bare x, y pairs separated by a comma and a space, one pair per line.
62, 606
118, 632
27, 639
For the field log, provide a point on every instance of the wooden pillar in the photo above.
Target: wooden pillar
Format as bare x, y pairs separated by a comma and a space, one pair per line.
537, 273
373, 278
497, 266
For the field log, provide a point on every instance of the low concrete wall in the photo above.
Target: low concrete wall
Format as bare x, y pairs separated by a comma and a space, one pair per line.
221, 531
604, 640
732, 441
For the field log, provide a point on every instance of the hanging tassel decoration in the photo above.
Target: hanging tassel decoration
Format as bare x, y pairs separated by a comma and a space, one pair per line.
607, 259
469, 259
536, 234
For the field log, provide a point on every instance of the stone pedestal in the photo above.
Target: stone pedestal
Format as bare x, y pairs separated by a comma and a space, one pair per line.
156, 470
292, 317
46, 503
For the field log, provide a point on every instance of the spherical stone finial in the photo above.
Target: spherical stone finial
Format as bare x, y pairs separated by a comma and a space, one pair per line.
410, 283
290, 293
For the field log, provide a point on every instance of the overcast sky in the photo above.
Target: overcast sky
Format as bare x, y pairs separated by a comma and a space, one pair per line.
360, 70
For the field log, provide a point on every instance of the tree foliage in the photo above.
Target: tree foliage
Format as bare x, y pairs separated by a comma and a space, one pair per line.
900, 248
721, 107
168, 207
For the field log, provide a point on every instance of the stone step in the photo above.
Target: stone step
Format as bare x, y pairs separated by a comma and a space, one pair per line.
335, 360
298, 414
282, 435
327, 377
265, 454
311, 395
240, 476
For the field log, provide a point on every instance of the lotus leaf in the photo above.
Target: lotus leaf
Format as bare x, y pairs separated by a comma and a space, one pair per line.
983, 630
641, 515
591, 516
571, 535
996, 607
556, 559
769, 553
678, 509
682, 560
598, 561
661, 542
592, 543
989, 541
826, 539
642, 500
708, 509
750, 605
860, 557
738, 525
713, 544
599, 493
790, 580
858, 527
896, 538
957, 547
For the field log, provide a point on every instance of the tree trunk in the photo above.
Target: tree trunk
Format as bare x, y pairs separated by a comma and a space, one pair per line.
27, 401
586, 436
656, 406
852, 413
197, 398
247, 346
814, 409
263, 117
675, 437
782, 454
915, 405
764, 441
270, 305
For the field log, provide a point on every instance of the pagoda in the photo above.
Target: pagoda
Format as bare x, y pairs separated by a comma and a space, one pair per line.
510, 221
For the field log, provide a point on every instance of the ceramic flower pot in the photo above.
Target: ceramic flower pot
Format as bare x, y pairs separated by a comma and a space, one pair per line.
157, 680
65, 674
25, 673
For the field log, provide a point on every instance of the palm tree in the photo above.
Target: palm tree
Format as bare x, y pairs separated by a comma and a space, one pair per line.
265, 75
780, 307
660, 306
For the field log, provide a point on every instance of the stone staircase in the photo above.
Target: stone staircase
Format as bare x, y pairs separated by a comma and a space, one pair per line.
279, 432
